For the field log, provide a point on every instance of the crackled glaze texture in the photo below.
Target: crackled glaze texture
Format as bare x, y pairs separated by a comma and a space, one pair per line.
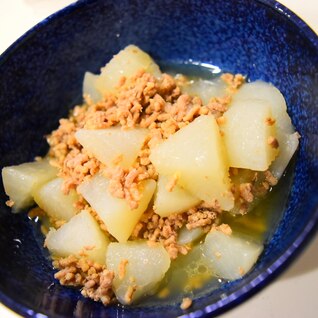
40, 79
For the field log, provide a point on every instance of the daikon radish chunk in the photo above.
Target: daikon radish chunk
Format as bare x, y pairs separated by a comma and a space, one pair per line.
81, 234
189, 236
138, 268
249, 139
126, 63
113, 146
197, 156
175, 201
22, 180
230, 257
89, 87
268, 93
51, 199
118, 217
288, 144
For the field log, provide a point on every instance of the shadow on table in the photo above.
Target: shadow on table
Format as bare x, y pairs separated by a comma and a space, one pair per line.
307, 261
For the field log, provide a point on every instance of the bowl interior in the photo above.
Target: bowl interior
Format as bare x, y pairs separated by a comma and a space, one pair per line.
40, 80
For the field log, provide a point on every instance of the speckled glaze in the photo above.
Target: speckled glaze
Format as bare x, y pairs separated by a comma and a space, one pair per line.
40, 80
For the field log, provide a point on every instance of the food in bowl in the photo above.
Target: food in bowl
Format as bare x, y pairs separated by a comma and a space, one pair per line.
138, 181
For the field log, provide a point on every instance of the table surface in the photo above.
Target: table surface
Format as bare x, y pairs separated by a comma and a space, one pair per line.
293, 294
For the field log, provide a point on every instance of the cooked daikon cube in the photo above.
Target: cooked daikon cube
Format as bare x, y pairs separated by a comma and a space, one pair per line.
89, 87
22, 180
175, 201
124, 64
81, 234
288, 144
230, 256
250, 141
50, 198
196, 154
268, 93
113, 146
118, 217
138, 268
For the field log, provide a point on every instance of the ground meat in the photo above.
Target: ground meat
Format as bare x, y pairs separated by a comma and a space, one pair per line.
165, 229
122, 268
246, 192
234, 82
130, 293
94, 279
273, 142
224, 228
186, 303
200, 218
270, 178
10, 203
172, 183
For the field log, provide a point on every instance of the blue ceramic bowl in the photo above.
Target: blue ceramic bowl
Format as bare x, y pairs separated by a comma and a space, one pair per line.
40, 80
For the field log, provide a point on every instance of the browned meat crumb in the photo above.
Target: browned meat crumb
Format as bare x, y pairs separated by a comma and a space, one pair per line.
172, 183
124, 184
10, 203
165, 229
273, 142
270, 178
219, 105
234, 82
197, 218
221, 120
246, 192
130, 293
94, 279
247, 186
186, 303
224, 228
241, 271
122, 268
270, 121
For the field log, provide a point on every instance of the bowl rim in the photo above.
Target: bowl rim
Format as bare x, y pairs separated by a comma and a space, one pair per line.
278, 266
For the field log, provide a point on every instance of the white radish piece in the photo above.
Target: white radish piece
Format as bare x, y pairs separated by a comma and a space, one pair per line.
89, 87
81, 234
138, 268
22, 180
175, 201
268, 93
196, 154
288, 144
113, 146
249, 139
126, 63
186, 236
118, 217
229, 256
51, 199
